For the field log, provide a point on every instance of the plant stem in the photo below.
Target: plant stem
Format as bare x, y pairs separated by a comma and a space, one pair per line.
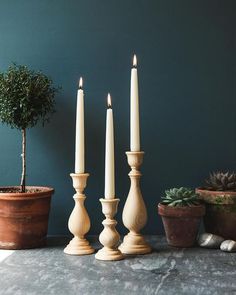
23, 155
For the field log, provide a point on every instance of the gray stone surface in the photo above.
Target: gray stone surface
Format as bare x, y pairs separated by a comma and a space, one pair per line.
165, 271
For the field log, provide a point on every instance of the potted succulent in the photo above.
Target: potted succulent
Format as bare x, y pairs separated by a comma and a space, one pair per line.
181, 212
219, 194
26, 97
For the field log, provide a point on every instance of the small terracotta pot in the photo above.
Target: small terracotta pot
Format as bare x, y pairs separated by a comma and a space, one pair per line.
24, 217
220, 218
181, 224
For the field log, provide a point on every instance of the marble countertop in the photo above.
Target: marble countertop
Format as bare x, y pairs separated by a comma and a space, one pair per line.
165, 271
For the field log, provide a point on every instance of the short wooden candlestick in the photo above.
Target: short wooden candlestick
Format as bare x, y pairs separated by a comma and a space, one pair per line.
134, 214
79, 222
109, 237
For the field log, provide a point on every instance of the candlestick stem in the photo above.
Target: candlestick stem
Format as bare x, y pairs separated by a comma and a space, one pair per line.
79, 222
134, 214
109, 237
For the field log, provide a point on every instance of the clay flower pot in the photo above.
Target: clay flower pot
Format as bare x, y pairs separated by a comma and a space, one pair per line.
24, 217
181, 224
220, 218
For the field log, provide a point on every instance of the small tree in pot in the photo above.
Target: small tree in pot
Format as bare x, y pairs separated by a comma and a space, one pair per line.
26, 97
181, 212
219, 194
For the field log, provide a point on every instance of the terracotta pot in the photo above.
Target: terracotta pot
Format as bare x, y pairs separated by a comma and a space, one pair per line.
220, 218
181, 224
24, 218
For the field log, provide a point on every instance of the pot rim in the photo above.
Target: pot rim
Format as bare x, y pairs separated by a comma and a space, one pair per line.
186, 211
202, 190
217, 197
44, 192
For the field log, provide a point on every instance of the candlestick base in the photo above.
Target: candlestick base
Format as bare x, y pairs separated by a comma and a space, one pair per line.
107, 254
134, 214
134, 243
79, 222
78, 246
109, 237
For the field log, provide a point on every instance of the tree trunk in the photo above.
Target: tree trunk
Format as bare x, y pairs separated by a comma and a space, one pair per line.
23, 155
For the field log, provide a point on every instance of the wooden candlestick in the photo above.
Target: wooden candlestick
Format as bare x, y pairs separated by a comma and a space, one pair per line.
109, 237
134, 214
79, 222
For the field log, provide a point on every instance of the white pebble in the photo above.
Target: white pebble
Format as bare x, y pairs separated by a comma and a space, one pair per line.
207, 240
228, 246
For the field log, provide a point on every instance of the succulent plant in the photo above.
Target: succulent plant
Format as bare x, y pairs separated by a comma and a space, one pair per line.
220, 181
180, 197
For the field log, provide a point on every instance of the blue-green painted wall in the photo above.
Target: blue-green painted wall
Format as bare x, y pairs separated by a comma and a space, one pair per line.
186, 60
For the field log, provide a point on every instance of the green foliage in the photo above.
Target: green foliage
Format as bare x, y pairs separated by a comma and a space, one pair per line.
26, 97
220, 181
180, 197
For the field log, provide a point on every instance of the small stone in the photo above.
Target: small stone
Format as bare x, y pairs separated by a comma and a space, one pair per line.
208, 240
228, 246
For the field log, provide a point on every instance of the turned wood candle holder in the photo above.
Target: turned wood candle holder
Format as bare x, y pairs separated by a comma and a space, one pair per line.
79, 222
134, 214
109, 237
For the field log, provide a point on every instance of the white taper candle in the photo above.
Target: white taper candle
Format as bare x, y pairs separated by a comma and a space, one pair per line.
109, 154
134, 109
79, 138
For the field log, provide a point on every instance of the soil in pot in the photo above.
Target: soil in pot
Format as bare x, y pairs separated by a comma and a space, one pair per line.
17, 189
24, 217
220, 218
181, 224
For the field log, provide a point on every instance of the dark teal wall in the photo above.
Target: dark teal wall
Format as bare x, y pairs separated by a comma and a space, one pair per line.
186, 60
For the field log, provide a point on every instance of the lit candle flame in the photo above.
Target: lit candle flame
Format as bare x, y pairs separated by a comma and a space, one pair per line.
109, 100
135, 60
80, 82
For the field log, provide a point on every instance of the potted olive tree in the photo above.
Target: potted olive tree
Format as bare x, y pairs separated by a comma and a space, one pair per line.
219, 194
181, 213
26, 97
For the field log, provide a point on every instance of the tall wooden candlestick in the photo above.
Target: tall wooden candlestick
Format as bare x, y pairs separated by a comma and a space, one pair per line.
79, 223
134, 213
